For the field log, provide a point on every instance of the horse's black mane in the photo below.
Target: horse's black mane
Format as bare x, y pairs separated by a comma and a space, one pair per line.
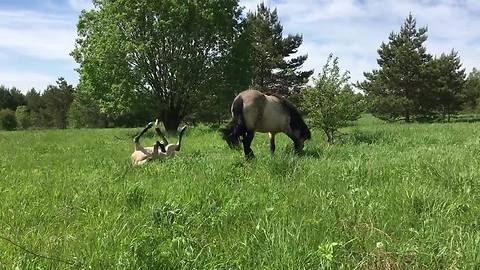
296, 120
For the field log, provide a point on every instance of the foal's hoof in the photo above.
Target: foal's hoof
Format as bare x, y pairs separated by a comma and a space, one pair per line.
183, 129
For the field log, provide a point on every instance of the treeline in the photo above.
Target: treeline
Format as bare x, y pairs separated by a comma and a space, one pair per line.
185, 63
412, 84
58, 106
48, 109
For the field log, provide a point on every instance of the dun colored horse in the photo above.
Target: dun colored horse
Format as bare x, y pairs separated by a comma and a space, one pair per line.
254, 111
160, 150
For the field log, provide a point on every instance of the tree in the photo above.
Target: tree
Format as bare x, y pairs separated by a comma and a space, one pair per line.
23, 116
274, 67
7, 119
401, 74
471, 91
331, 103
11, 98
57, 100
166, 53
35, 106
447, 78
85, 113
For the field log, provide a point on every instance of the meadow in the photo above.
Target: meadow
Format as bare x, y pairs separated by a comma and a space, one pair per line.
386, 196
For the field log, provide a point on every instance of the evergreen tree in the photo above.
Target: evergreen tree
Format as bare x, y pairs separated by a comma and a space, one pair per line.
471, 91
274, 67
57, 100
446, 81
400, 77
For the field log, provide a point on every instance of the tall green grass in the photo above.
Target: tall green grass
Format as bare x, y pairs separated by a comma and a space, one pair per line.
387, 196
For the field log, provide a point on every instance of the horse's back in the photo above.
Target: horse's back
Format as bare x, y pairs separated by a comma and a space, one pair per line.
263, 113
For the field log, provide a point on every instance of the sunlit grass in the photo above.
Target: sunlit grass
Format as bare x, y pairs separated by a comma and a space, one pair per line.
387, 195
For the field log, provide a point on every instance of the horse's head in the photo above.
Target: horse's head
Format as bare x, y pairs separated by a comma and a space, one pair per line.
301, 133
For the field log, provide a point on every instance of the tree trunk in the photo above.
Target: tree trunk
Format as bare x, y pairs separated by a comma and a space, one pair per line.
171, 121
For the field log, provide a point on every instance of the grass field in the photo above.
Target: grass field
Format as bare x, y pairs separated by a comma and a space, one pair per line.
388, 196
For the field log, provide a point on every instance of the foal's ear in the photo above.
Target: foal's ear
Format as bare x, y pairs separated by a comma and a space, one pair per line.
156, 122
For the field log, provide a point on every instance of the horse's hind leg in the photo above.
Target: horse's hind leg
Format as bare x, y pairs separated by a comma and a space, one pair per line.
272, 142
247, 142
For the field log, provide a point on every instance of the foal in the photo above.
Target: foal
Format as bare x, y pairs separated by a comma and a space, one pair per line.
160, 150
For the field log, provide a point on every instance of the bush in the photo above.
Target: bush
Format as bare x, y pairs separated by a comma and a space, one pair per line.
7, 119
23, 116
331, 102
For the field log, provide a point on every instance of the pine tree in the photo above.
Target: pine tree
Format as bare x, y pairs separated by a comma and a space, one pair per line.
273, 67
446, 84
471, 91
400, 78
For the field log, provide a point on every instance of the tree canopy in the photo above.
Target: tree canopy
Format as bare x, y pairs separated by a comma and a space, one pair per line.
167, 54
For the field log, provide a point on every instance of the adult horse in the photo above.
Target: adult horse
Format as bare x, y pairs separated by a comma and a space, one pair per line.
254, 111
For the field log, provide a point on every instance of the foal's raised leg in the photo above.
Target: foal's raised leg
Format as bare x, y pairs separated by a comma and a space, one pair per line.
272, 142
247, 142
136, 139
159, 133
179, 143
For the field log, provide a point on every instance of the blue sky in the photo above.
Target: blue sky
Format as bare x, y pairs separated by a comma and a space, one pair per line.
36, 36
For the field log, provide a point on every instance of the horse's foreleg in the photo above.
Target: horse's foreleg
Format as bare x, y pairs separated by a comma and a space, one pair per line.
272, 142
296, 143
247, 142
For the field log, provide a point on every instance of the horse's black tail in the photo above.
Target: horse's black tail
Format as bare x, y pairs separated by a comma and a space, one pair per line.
236, 127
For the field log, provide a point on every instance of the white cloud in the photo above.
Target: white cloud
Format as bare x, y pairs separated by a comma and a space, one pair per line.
81, 4
353, 30
25, 80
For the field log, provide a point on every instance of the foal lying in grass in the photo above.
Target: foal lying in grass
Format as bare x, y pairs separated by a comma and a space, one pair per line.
160, 150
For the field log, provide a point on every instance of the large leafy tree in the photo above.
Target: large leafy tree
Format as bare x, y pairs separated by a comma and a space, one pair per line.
400, 80
275, 66
331, 103
167, 54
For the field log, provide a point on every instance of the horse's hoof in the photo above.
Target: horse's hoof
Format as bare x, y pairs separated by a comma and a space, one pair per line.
249, 157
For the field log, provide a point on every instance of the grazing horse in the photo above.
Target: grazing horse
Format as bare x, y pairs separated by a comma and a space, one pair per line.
160, 150
254, 111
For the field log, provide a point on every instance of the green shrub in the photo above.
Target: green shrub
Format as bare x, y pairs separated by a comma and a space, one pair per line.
7, 119
23, 116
